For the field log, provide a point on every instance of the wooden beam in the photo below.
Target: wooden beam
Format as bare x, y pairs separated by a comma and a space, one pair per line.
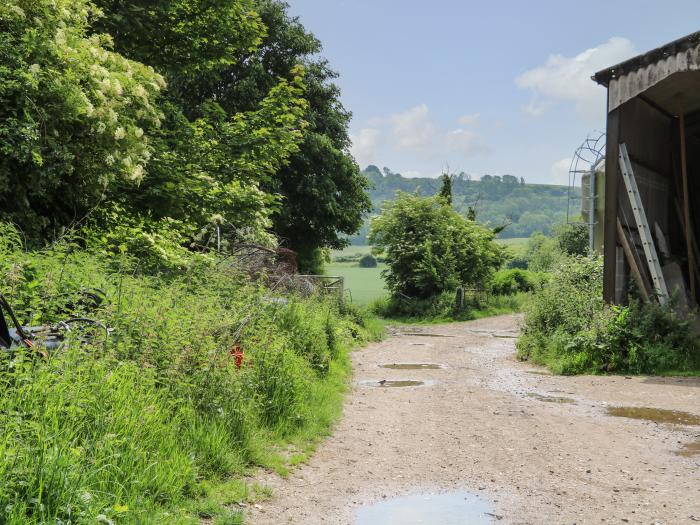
632, 261
612, 181
686, 202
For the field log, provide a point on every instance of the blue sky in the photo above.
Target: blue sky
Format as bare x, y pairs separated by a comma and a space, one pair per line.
499, 86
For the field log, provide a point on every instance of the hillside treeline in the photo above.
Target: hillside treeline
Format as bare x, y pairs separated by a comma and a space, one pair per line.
496, 200
172, 119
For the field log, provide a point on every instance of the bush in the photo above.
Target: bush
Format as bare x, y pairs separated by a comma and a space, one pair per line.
569, 328
368, 261
431, 249
513, 281
542, 253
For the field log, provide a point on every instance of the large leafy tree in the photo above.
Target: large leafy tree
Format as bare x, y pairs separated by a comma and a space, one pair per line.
74, 115
323, 193
430, 248
211, 157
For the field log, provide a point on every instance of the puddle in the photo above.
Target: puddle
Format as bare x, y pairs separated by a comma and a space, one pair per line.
458, 508
393, 384
551, 399
657, 415
412, 366
689, 450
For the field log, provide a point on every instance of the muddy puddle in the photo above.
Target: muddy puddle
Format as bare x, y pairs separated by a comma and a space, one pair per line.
401, 383
457, 508
689, 450
551, 399
657, 415
412, 366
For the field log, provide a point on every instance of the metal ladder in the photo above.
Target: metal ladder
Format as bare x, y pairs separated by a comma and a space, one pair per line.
640, 217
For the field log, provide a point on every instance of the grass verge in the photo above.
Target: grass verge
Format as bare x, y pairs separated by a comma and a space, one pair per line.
156, 423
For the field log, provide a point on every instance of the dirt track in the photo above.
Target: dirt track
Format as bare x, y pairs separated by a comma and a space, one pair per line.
476, 429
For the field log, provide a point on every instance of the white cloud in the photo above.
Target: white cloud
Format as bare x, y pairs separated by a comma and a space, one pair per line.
560, 172
414, 131
470, 120
568, 79
464, 141
364, 145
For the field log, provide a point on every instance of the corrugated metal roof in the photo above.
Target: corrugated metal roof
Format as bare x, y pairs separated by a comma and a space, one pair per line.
655, 55
637, 75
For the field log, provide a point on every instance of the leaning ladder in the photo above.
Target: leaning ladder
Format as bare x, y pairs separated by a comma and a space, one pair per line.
640, 217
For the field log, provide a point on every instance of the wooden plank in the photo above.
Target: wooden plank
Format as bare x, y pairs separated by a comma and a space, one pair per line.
611, 203
686, 203
632, 261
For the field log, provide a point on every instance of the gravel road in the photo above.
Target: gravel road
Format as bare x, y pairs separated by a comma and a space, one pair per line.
537, 448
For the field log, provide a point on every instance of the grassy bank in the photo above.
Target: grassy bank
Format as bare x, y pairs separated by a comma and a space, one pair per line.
156, 424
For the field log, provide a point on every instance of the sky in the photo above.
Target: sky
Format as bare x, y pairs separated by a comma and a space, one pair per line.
491, 86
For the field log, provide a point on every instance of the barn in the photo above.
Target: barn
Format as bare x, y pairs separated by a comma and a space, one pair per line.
649, 192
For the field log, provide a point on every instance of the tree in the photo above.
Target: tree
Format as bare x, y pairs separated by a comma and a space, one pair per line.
368, 261
323, 193
573, 238
430, 248
74, 116
446, 188
213, 159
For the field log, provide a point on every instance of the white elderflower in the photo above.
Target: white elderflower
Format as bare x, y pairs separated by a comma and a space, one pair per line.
137, 173
34, 69
120, 133
138, 132
109, 160
101, 127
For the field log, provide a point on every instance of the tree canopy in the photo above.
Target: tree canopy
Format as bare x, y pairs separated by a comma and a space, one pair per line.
188, 115
430, 248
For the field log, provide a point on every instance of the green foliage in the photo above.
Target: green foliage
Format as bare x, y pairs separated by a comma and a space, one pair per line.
542, 253
127, 427
74, 116
573, 238
256, 55
492, 200
446, 188
368, 261
515, 280
443, 309
570, 329
430, 248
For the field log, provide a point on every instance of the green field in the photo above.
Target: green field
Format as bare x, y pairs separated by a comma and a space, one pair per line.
366, 284
351, 250
517, 245
363, 284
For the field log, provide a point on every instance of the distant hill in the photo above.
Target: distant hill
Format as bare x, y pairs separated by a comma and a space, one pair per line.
497, 200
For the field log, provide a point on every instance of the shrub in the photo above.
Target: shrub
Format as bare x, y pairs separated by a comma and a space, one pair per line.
569, 328
512, 281
431, 249
542, 253
368, 261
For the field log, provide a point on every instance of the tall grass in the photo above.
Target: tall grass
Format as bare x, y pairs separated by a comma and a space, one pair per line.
129, 428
